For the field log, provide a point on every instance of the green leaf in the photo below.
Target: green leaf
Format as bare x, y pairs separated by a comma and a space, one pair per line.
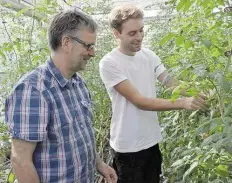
193, 114
215, 52
180, 5
209, 163
223, 83
175, 93
192, 167
22, 11
179, 40
11, 177
217, 25
222, 170
2, 55
9, 47
207, 43
221, 2
48, 2
225, 43
212, 139
18, 45
188, 5
178, 162
204, 128
188, 44
215, 123
204, 3
192, 92
167, 38
228, 110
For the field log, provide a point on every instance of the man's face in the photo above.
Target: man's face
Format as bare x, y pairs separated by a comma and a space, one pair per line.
81, 49
131, 35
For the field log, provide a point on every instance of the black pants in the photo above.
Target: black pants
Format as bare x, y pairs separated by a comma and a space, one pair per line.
138, 167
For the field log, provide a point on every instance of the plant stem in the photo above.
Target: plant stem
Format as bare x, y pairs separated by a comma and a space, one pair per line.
31, 35
219, 98
8, 34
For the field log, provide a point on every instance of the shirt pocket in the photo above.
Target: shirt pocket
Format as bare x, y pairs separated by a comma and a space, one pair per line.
86, 108
63, 129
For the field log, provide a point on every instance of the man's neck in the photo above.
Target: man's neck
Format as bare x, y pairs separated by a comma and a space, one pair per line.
61, 63
126, 52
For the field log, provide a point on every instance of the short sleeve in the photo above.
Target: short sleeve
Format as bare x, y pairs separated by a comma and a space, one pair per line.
110, 74
26, 114
158, 66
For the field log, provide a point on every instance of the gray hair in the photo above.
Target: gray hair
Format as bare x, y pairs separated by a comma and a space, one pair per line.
67, 23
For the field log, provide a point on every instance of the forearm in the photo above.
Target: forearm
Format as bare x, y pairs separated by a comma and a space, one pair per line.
127, 90
25, 172
158, 104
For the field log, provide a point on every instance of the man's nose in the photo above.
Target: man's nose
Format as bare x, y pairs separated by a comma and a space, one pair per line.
92, 52
140, 36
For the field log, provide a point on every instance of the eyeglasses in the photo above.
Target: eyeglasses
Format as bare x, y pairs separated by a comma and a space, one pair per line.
86, 45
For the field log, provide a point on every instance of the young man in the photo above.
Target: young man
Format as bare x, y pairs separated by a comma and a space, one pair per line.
49, 112
129, 73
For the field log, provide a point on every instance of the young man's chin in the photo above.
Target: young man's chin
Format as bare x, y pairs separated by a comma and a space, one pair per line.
137, 49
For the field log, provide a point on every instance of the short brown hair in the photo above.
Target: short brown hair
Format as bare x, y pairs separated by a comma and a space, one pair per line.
121, 14
67, 23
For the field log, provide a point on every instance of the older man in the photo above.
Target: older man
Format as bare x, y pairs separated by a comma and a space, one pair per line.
49, 111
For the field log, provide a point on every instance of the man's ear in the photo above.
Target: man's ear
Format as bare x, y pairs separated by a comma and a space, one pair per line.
116, 33
66, 43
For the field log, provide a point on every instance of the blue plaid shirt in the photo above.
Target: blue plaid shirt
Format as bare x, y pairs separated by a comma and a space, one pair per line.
56, 113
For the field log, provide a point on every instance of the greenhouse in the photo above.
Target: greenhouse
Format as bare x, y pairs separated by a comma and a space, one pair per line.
189, 46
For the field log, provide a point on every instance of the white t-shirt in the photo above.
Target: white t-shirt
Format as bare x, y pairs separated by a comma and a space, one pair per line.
132, 129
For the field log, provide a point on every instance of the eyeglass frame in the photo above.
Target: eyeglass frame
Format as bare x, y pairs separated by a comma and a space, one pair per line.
86, 45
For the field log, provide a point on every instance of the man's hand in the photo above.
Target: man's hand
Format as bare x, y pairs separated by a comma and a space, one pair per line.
107, 172
195, 103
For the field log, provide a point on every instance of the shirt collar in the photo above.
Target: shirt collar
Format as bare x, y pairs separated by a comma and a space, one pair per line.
58, 76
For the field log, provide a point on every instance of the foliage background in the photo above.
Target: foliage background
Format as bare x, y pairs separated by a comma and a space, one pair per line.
194, 42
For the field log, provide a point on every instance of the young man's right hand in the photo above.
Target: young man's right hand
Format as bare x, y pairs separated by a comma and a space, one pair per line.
194, 103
